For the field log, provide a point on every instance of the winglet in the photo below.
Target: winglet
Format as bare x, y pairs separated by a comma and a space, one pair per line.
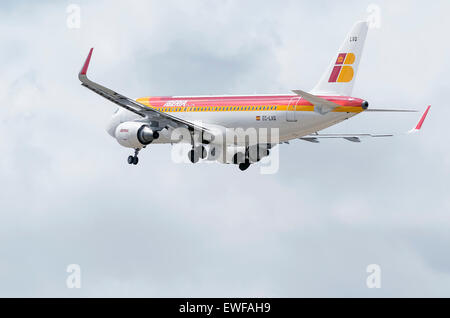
86, 65
422, 120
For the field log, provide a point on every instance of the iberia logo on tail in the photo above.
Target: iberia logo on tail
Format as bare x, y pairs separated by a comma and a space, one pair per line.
342, 71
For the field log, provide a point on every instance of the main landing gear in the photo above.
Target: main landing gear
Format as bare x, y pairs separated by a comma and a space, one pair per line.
197, 153
134, 160
242, 160
244, 166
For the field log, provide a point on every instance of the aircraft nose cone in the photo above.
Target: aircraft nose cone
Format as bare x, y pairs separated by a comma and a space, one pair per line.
365, 105
111, 127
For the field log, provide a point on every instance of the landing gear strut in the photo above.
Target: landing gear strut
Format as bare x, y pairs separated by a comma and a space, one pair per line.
246, 164
134, 160
198, 152
193, 156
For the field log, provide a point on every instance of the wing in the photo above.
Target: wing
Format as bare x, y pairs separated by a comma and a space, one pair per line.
418, 128
140, 109
315, 138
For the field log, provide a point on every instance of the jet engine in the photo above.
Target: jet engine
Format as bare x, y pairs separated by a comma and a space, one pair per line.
135, 135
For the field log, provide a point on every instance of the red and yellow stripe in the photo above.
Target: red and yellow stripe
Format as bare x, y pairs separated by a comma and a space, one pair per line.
214, 107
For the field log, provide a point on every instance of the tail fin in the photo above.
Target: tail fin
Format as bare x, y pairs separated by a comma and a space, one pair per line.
340, 76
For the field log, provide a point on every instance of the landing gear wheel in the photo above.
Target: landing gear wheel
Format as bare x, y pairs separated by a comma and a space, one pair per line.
134, 160
193, 156
244, 166
201, 152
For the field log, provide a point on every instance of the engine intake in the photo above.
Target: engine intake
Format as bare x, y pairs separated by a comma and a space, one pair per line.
135, 135
145, 135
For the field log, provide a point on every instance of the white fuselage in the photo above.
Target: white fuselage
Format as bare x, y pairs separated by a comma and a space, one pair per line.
290, 122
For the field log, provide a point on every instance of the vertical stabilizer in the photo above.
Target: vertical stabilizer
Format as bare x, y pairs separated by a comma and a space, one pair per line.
341, 74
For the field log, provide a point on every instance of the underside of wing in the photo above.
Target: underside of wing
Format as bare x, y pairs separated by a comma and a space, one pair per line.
315, 138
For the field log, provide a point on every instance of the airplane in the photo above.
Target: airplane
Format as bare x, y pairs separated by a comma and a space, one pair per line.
216, 128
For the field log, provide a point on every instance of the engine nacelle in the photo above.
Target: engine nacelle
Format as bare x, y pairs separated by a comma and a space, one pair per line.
135, 135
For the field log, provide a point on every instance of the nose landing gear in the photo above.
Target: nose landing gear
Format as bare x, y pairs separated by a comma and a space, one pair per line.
134, 160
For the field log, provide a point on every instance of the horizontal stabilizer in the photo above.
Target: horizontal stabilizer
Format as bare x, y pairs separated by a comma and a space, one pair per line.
321, 106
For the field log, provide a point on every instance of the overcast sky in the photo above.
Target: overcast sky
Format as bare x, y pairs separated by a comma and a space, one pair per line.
171, 230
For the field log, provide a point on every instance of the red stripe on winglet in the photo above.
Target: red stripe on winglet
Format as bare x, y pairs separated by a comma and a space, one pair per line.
86, 64
422, 120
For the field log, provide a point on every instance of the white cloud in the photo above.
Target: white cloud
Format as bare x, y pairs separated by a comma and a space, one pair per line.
177, 230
